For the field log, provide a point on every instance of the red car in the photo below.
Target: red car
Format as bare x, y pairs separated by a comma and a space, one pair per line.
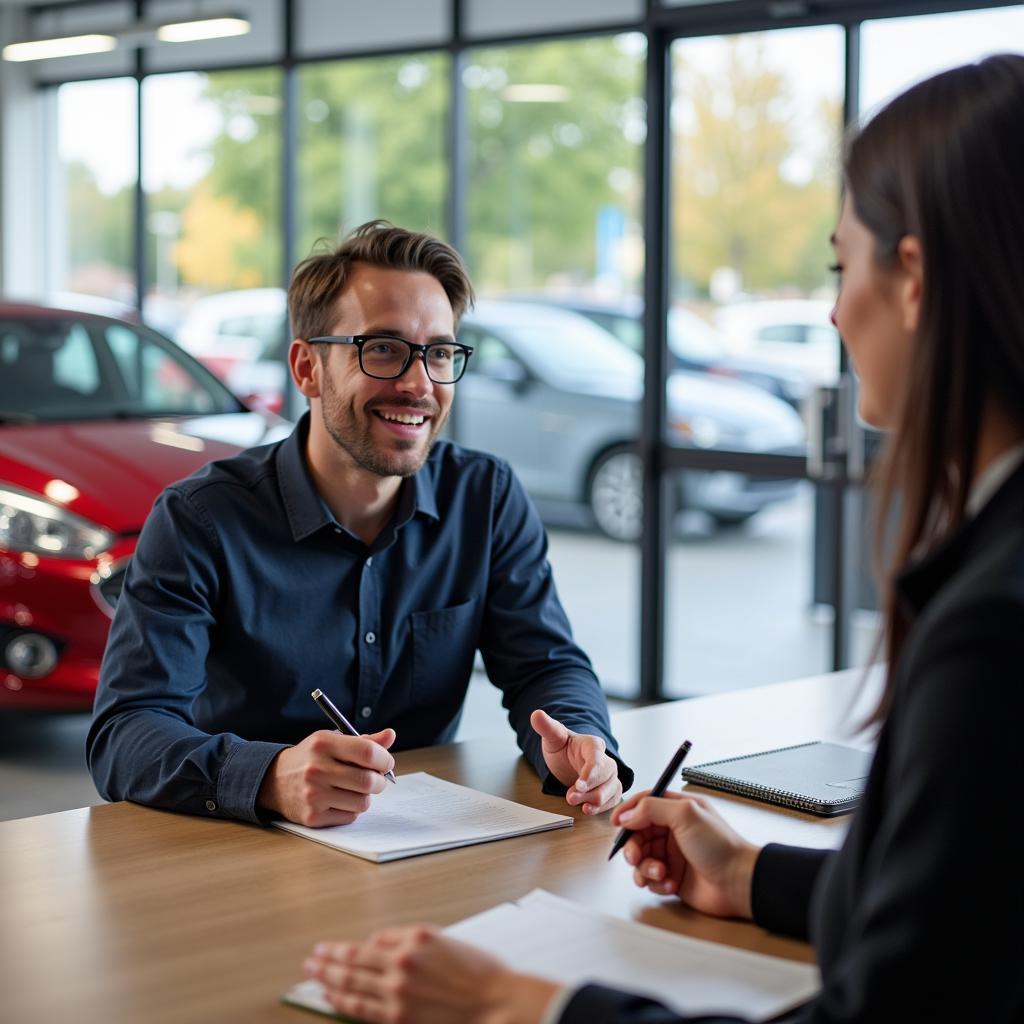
97, 416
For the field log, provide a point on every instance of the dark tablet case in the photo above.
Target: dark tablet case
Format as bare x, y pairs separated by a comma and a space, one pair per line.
820, 778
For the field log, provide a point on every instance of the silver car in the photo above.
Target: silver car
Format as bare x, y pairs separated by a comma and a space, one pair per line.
559, 397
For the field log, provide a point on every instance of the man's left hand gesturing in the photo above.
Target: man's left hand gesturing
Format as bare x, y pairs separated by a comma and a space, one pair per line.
579, 762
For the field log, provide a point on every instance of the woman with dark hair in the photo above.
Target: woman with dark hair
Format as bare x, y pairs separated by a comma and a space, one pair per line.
920, 915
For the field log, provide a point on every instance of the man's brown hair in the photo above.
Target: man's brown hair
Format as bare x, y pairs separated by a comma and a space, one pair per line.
320, 278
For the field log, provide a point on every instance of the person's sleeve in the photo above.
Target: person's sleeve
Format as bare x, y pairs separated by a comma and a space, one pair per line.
783, 883
596, 1004
935, 933
526, 641
143, 744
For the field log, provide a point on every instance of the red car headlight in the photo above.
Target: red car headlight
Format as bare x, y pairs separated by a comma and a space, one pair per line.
28, 523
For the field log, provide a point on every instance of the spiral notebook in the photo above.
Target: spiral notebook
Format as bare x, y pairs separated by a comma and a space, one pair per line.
820, 778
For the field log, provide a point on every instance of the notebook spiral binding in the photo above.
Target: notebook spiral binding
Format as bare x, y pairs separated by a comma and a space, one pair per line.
781, 797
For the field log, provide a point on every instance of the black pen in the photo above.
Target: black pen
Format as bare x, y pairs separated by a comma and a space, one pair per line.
659, 787
340, 722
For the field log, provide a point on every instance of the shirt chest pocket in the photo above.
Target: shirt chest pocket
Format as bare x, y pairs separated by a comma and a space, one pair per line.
443, 647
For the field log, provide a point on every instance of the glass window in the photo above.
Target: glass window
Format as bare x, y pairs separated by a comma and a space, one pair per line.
372, 144
755, 190
556, 131
897, 52
92, 202
755, 186
155, 379
211, 173
74, 363
556, 136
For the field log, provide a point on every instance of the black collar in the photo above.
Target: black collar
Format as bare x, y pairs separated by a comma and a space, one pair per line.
999, 522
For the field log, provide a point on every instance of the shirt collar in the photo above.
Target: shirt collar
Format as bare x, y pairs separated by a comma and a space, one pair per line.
993, 478
999, 517
308, 512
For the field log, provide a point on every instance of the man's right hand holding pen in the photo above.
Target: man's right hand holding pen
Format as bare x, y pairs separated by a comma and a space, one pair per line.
328, 778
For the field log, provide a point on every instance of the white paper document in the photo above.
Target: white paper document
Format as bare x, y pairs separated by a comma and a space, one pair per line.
554, 938
424, 814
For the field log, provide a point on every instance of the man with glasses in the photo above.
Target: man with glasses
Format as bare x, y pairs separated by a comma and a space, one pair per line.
361, 556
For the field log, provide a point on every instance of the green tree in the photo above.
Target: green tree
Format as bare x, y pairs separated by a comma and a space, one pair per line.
230, 220
99, 225
738, 203
372, 143
556, 135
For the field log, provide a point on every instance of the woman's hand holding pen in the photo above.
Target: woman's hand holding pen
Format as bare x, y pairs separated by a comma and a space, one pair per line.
328, 778
682, 847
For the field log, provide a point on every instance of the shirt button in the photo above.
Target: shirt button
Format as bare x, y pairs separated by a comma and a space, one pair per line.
369, 561
210, 805
370, 638
337, 529
367, 711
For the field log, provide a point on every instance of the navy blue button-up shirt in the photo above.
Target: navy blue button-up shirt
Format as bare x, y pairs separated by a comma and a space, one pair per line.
245, 594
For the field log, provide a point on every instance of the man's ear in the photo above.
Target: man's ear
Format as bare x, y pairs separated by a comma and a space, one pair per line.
911, 289
306, 367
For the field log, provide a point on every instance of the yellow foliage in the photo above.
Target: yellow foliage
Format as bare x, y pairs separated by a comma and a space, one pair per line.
216, 236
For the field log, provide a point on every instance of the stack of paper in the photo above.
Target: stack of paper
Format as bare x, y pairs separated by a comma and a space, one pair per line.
555, 938
424, 814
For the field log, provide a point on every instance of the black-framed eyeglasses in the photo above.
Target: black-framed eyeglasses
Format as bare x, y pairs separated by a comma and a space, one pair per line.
385, 357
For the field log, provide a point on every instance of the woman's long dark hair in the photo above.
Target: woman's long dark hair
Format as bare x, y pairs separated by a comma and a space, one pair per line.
945, 162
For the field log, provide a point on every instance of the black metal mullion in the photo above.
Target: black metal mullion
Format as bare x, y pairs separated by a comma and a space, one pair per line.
458, 142
139, 205
847, 499
654, 537
289, 144
458, 172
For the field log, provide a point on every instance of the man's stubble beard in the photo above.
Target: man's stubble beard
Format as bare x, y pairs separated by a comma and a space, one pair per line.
342, 423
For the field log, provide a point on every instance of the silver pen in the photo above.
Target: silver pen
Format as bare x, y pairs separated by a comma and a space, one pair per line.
340, 722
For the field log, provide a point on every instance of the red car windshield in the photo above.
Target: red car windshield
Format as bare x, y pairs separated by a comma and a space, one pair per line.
67, 367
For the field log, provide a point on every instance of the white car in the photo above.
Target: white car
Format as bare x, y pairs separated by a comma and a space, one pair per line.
797, 334
239, 335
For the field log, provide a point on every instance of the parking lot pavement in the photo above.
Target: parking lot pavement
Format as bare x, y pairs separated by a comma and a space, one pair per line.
738, 608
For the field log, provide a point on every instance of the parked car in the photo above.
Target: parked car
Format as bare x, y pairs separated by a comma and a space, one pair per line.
693, 344
559, 397
97, 416
240, 336
795, 334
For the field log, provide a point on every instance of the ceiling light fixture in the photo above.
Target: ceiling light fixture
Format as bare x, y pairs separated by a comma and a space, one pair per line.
138, 34
203, 28
66, 46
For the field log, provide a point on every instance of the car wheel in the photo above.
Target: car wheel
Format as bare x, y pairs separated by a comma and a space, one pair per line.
615, 495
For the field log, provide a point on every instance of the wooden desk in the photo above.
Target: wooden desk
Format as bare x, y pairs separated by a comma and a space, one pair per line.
127, 915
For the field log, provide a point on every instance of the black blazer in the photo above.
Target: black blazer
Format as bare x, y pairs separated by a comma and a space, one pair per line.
920, 915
